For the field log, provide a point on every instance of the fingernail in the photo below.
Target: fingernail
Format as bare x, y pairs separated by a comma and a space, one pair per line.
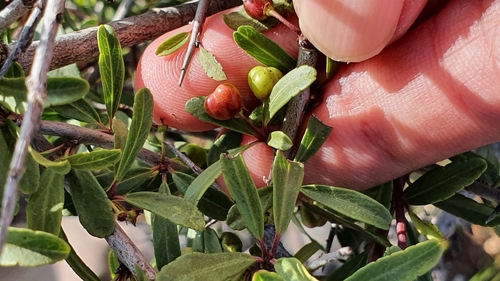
349, 30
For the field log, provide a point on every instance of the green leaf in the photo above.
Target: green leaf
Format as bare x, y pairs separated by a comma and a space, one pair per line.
230, 242
173, 208
111, 67
197, 266
350, 203
44, 208
172, 44
207, 242
139, 131
14, 71
279, 140
235, 220
224, 143
402, 265
62, 167
307, 251
80, 110
491, 175
315, 135
139, 274
349, 267
291, 269
263, 49
95, 160
91, 203
25, 247
195, 107
427, 229
441, 183
134, 179
77, 264
214, 203
113, 264
120, 133
210, 65
286, 88
242, 189
468, 209
202, 182
264, 275
60, 90
287, 180
165, 237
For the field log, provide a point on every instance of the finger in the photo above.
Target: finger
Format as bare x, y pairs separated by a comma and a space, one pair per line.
430, 95
160, 74
353, 31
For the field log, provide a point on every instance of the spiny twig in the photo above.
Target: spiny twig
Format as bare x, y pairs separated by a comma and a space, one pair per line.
198, 21
35, 83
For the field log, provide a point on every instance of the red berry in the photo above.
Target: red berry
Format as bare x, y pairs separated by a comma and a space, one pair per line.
258, 9
224, 103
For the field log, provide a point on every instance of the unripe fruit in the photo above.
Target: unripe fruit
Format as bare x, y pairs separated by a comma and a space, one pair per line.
224, 103
261, 80
258, 9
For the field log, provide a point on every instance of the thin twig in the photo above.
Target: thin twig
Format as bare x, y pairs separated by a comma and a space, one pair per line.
14, 11
198, 21
297, 105
96, 138
399, 210
127, 253
484, 191
25, 37
35, 85
342, 253
82, 45
122, 10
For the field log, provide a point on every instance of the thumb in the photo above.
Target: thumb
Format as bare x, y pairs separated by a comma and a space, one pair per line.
353, 31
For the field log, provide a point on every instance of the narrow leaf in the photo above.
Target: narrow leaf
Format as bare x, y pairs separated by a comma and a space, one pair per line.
243, 191
264, 275
139, 131
427, 229
441, 183
172, 44
139, 274
195, 107
135, 179
202, 182
236, 19
111, 67
279, 140
286, 88
95, 160
263, 49
91, 203
315, 135
80, 110
173, 208
77, 264
210, 65
214, 203
44, 208
221, 266
291, 269
60, 90
307, 251
225, 142
287, 180
165, 237
402, 265
25, 247
468, 209
62, 167
235, 220
350, 203
207, 242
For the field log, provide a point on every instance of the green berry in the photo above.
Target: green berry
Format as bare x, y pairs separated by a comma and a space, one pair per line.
224, 103
261, 80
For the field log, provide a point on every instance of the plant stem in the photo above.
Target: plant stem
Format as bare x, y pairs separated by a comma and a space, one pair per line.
342, 253
297, 105
14, 11
279, 17
82, 45
35, 84
127, 253
399, 210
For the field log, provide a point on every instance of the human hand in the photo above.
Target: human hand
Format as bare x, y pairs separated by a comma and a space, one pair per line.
431, 94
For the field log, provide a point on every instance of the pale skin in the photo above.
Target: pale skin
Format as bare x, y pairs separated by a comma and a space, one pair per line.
408, 99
